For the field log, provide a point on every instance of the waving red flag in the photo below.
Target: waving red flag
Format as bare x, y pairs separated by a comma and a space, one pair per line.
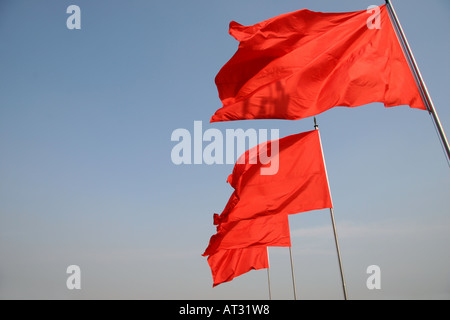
268, 231
303, 63
241, 246
300, 183
228, 264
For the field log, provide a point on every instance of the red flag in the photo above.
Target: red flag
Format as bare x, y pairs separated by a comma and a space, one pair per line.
268, 231
256, 213
303, 63
228, 264
241, 246
299, 185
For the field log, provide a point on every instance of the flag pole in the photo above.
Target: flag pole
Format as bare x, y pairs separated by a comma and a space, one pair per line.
344, 288
293, 274
338, 254
268, 274
418, 76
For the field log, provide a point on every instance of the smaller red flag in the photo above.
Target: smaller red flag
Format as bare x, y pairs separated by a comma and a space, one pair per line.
269, 230
228, 264
300, 183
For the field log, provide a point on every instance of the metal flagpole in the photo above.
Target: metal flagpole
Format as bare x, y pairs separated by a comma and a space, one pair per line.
268, 274
417, 76
344, 288
293, 275
338, 253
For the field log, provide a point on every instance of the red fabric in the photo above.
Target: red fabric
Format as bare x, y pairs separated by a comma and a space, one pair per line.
256, 213
303, 63
228, 264
268, 231
299, 185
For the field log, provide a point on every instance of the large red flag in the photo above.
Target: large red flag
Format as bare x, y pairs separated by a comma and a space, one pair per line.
303, 63
228, 264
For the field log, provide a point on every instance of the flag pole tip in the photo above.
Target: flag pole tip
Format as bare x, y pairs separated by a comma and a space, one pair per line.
315, 124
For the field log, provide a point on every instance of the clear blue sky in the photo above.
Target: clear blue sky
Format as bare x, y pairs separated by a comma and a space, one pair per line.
86, 176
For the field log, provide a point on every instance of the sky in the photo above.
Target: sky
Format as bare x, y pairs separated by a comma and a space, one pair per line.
87, 179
